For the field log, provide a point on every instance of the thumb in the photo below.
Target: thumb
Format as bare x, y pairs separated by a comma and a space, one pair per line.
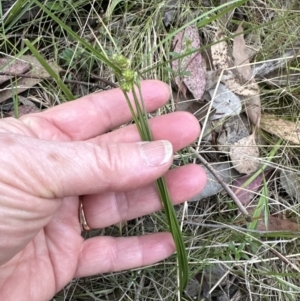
51, 169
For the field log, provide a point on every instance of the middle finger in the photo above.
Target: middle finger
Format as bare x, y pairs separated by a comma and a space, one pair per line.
180, 128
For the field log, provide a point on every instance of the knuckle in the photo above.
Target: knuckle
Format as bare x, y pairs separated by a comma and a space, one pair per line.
108, 163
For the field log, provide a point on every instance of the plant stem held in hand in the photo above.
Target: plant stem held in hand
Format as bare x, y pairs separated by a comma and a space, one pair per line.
129, 81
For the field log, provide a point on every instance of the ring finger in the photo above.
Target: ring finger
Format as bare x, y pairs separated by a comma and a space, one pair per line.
109, 208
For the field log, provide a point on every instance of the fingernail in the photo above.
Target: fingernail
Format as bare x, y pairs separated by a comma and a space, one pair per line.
157, 152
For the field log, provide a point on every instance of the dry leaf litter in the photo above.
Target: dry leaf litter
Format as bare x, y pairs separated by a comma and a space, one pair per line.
184, 42
27, 62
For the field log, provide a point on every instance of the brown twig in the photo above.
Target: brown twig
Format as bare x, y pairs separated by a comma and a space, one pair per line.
104, 80
224, 185
65, 80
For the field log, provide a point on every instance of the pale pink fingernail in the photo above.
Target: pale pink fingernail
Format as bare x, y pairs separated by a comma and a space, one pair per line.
156, 153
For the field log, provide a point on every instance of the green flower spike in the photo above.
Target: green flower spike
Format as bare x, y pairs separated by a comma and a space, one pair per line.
120, 61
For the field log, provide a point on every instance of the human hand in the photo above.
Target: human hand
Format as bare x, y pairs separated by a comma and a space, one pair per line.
49, 159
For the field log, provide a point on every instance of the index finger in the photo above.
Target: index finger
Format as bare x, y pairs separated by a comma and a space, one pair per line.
98, 113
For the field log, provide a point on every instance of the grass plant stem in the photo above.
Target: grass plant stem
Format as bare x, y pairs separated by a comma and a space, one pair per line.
141, 120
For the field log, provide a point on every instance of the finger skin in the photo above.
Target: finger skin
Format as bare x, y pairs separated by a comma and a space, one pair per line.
94, 114
183, 184
180, 128
77, 168
109, 254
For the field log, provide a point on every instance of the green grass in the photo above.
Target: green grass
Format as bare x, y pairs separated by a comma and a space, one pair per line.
211, 230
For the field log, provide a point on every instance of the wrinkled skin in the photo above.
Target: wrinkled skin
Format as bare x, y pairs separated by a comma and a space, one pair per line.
50, 158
